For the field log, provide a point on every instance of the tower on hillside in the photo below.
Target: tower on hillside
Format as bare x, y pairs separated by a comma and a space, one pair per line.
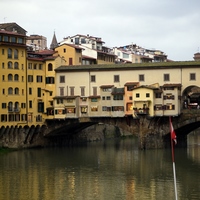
54, 42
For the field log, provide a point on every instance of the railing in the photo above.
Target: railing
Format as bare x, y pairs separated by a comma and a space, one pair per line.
141, 111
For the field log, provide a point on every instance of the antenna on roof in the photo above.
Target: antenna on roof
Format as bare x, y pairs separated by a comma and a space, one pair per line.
4, 19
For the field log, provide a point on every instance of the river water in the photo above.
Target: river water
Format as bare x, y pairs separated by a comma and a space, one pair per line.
109, 170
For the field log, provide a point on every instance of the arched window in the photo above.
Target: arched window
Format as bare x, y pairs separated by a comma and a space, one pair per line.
10, 77
9, 53
50, 67
16, 90
10, 90
3, 66
15, 54
10, 106
16, 105
16, 65
16, 77
10, 65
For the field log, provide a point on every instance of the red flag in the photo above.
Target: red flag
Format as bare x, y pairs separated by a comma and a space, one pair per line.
173, 134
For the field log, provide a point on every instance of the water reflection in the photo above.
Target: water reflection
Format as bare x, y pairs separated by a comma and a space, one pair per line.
103, 170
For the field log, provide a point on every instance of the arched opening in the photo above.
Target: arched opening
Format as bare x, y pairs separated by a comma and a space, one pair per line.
191, 97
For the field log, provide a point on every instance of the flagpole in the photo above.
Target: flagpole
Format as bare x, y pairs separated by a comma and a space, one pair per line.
173, 160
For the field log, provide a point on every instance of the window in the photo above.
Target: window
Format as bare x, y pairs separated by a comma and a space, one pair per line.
3, 65
10, 65
118, 97
20, 40
40, 106
129, 106
29, 65
30, 78
10, 107
15, 54
3, 78
5, 38
82, 91
59, 101
3, 118
84, 109
39, 79
2, 51
50, 67
16, 77
62, 79
158, 95
103, 98
23, 105
70, 61
108, 98
141, 77
169, 107
130, 98
35, 66
3, 91
30, 104
64, 50
192, 76
9, 53
39, 92
40, 67
16, 65
16, 90
49, 80
116, 78
30, 91
13, 39
168, 96
62, 91
72, 91
117, 108
107, 90
10, 90
166, 77
93, 99
137, 95
3, 105
10, 77
147, 95
94, 108
158, 107
125, 55
93, 78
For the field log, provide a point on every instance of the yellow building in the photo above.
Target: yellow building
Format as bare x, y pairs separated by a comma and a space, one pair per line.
13, 71
71, 53
41, 85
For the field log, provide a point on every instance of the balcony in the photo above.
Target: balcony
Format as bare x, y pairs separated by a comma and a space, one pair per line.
141, 111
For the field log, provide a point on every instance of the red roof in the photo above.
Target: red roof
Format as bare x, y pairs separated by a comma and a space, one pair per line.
11, 33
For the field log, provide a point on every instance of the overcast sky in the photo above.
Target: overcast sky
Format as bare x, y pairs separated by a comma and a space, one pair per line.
172, 26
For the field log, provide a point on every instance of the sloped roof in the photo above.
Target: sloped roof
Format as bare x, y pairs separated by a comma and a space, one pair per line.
13, 27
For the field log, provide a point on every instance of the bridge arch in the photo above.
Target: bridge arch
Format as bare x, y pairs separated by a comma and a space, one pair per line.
183, 129
191, 96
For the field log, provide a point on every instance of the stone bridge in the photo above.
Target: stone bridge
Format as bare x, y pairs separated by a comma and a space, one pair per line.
152, 132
